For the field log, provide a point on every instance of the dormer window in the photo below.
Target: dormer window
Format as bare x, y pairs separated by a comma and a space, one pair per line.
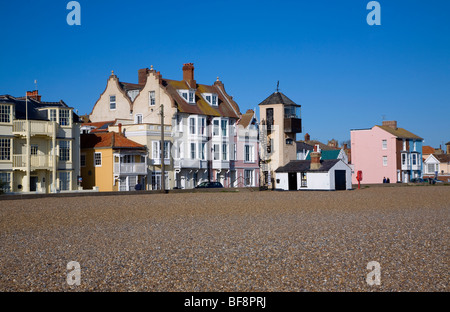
211, 98
188, 95
132, 94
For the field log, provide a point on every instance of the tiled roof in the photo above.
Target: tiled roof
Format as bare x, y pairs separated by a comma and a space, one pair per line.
427, 149
304, 166
226, 106
100, 126
277, 98
442, 158
322, 146
131, 86
20, 107
109, 139
400, 133
304, 146
247, 118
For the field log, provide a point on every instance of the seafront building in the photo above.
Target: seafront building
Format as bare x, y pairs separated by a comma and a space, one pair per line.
199, 125
280, 121
386, 151
39, 145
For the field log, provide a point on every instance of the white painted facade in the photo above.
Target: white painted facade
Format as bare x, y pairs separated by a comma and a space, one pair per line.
315, 180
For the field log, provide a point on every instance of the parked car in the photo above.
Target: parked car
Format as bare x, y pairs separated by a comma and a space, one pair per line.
417, 180
432, 180
209, 185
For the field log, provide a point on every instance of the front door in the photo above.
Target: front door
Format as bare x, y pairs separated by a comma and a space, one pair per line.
292, 180
339, 180
33, 184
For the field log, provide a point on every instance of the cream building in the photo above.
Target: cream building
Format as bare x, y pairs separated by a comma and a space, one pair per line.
39, 145
199, 122
280, 121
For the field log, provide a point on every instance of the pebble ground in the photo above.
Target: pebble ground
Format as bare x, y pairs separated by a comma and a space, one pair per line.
240, 241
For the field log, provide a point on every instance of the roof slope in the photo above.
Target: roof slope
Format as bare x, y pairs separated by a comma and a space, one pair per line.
326, 154
277, 98
442, 158
109, 139
400, 133
304, 146
226, 106
427, 149
21, 104
247, 118
304, 166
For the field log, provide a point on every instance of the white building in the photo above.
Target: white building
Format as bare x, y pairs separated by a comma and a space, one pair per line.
314, 174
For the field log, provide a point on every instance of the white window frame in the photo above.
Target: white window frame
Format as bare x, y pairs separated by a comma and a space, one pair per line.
136, 118
97, 160
384, 144
216, 152
192, 150
224, 151
5, 177
152, 98
249, 157
222, 129
249, 175
64, 117
385, 161
111, 102
216, 128
65, 182
65, 153
192, 123
5, 113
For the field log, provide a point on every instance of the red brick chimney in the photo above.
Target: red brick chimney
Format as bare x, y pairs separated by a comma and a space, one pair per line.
307, 137
142, 75
120, 128
188, 75
390, 123
34, 95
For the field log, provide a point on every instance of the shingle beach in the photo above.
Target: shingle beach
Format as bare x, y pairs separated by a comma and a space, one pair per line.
235, 241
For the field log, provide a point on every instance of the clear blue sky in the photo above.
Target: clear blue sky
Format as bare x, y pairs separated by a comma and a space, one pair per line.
345, 73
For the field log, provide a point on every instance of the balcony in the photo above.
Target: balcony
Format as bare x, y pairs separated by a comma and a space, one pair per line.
190, 163
292, 125
157, 161
36, 162
129, 168
37, 127
220, 164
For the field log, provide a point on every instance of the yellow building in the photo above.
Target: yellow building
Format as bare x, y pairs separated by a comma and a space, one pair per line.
111, 162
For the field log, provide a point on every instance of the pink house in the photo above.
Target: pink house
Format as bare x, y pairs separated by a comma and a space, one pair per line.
246, 165
386, 151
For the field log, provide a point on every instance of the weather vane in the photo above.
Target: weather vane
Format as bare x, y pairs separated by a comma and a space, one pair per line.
278, 85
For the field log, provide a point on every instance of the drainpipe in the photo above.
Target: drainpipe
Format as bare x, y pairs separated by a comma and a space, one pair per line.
54, 158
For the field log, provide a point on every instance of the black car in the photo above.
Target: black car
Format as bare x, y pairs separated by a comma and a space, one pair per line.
209, 185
